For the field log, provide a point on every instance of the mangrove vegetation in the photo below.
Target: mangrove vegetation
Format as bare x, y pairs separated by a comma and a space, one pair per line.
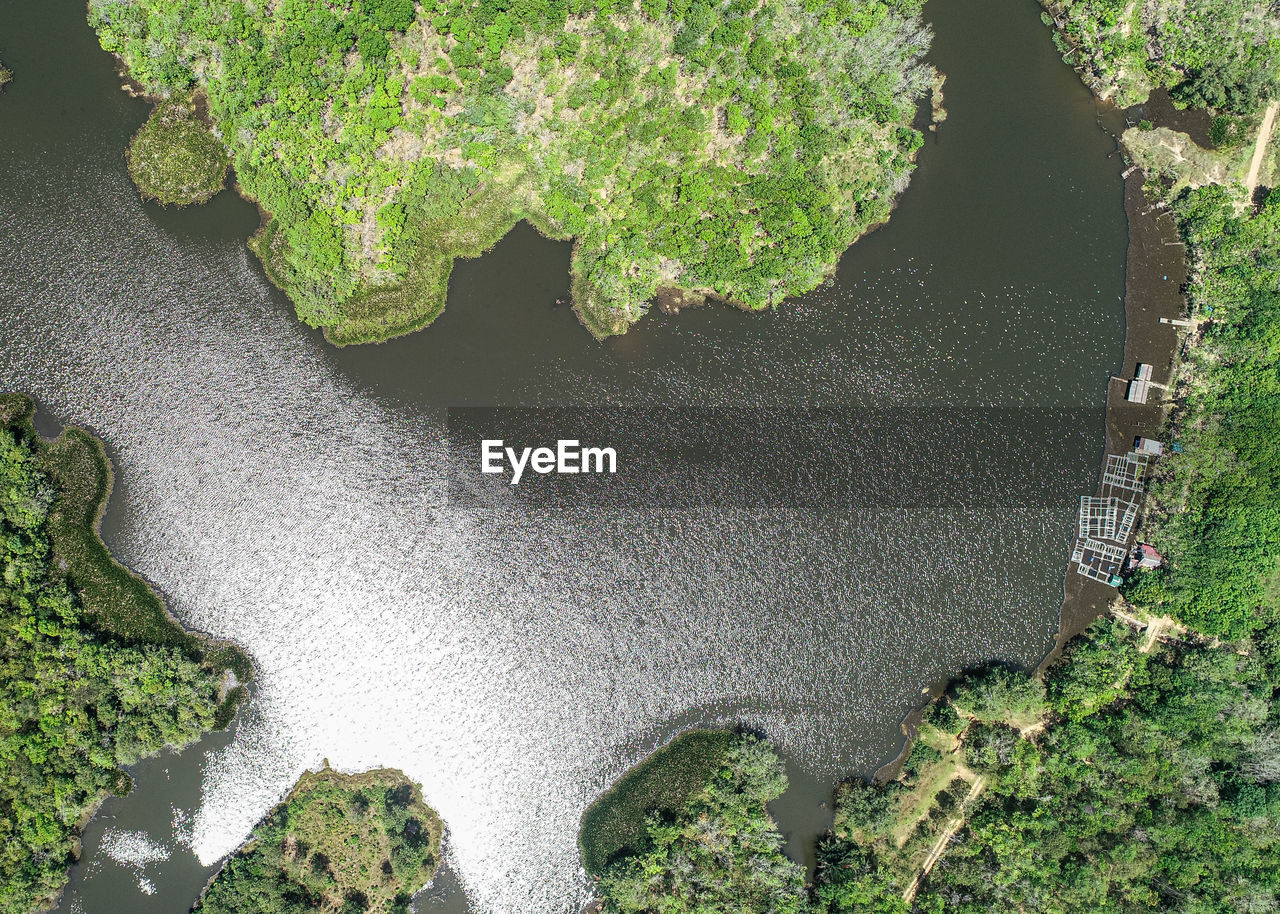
728, 148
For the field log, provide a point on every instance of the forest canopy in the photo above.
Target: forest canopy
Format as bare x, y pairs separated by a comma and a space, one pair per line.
1220, 54
733, 148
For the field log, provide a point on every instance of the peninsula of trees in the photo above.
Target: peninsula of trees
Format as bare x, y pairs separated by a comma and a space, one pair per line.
726, 148
688, 830
93, 673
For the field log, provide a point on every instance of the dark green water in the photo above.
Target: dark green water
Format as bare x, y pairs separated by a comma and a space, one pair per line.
821, 510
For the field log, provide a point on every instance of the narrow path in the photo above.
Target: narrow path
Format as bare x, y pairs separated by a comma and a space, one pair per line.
1260, 149
944, 839
1153, 627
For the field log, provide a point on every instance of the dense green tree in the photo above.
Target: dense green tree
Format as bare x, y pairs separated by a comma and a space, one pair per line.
721, 852
731, 148
1222, 54
1217, 505
999, 693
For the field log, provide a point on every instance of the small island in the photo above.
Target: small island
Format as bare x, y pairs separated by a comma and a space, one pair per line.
94, 672
338, 843
174, 159
690, 149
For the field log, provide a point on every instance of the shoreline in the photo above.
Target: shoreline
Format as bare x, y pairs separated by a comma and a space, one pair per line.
225, 657
1151, 256
1156, 271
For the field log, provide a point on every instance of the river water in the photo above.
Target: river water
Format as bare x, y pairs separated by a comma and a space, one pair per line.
818, 511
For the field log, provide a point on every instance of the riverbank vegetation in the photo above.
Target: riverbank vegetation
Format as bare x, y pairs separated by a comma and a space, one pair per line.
718, 850
1216, 506
1149, 779
1217, 54
338, 844
174, 159
84, 690
729, 148
6, 76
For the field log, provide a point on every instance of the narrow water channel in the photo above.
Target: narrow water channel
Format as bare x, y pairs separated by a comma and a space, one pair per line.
819, 511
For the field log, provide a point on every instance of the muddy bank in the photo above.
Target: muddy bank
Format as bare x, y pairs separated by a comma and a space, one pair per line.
1155, 275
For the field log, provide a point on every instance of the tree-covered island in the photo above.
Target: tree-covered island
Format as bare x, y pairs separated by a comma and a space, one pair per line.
94, 675
730, 148
338, 844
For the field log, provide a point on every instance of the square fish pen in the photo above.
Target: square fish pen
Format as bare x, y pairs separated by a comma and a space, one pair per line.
1125, 471
1097, 518
1128, 516
1098, 561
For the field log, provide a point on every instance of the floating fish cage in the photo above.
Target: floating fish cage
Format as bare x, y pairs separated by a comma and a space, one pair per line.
1125, 471
1097, 518
1099, 561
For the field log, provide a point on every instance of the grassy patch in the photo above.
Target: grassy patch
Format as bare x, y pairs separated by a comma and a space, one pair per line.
1175, 160
338, 843
926, 785
382, 313
6, 76
174, 158
614, 824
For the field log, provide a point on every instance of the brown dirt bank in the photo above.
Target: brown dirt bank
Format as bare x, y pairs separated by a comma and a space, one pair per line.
1155, 274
